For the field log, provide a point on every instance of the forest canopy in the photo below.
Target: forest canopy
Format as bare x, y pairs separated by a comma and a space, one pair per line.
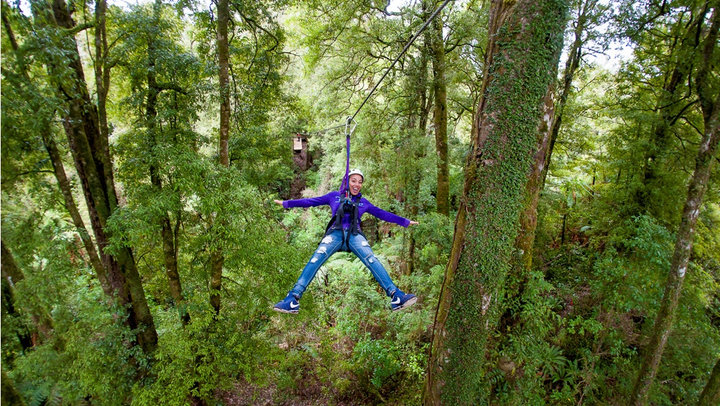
559, 156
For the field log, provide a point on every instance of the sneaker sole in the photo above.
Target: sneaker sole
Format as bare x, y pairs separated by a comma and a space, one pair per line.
407, 304
277, 309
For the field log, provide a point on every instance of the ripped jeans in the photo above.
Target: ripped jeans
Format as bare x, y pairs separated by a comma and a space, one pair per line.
331, 244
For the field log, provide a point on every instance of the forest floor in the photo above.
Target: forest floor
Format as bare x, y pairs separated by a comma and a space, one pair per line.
248, 394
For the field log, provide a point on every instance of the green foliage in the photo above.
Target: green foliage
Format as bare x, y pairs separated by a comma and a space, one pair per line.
607, 215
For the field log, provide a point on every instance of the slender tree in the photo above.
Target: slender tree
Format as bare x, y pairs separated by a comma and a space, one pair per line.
523, 56
697, 186
154, 88
440, 120
588, 15
217, 257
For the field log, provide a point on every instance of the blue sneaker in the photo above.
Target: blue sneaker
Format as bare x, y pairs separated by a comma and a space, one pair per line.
288, 305
401, 300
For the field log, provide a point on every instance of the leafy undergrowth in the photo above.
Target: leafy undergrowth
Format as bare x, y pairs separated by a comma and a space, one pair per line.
346, 347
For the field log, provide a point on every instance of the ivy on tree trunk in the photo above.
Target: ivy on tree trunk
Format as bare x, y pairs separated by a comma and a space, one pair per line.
524, 57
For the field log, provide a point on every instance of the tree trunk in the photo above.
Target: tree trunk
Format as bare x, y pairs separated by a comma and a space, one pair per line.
63, 183
217, 258
166, 233
668, 106
711, 394
528, 217
683, 244
525, 55
418, 115
102, 70
72, 209
91, 153
521, 260
437, 48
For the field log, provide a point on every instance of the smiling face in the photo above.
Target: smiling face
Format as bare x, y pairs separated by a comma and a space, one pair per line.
356, 182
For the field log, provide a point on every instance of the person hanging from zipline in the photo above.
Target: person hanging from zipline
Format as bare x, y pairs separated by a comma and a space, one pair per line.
344, 233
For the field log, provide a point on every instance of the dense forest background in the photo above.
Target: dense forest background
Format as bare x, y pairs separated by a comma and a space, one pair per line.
560, 157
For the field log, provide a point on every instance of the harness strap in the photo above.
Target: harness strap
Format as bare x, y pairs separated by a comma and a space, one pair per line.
350, 125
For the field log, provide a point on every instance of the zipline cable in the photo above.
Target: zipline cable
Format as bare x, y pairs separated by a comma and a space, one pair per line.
407, 46
432, 16
350, 122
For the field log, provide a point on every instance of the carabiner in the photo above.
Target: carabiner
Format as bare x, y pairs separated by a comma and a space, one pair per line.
350, 125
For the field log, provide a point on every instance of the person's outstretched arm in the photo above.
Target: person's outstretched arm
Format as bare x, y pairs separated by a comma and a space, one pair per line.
389, 217
307, 202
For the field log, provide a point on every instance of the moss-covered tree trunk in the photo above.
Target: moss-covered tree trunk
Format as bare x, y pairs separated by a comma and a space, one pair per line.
91, 154
525, 55
707, 152
711, 394
42, 322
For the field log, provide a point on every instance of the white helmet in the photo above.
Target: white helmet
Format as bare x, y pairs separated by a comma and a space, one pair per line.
356, 172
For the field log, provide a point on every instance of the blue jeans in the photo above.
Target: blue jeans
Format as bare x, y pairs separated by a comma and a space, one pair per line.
332, 243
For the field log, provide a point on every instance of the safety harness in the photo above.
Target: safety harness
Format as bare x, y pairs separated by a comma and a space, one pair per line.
348, 205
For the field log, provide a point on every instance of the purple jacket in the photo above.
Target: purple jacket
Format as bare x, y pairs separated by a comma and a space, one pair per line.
334, 199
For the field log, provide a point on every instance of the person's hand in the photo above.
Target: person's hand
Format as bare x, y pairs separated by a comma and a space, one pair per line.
413, 223
278, 201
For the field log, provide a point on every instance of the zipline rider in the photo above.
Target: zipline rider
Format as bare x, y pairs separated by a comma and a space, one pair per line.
344, 233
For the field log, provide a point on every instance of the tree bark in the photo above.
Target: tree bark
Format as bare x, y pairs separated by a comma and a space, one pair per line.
683, 245
528, 217
437, 48
91, 154
66, 190
525, 54
102, 70
711, 394
217, 258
